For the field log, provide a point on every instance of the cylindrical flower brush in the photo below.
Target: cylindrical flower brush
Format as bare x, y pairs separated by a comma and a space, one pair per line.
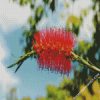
53, 47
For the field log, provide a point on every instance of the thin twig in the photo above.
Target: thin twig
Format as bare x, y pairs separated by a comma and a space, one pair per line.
85, 62
75, 56
21, 60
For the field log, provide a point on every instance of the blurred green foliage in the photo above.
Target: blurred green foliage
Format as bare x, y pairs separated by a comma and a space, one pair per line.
26, 98
74, 22
62, 92
66, 91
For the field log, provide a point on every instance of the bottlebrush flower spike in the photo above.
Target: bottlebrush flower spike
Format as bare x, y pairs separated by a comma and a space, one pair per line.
54, 46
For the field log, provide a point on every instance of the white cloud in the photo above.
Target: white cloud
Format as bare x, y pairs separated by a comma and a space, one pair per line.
12, 15
7, 80
87, 29
79, 5
2, 52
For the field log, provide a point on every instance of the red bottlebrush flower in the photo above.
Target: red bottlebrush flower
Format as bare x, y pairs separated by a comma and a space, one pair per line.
54, 47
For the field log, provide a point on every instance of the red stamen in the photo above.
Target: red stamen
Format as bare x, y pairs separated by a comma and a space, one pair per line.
53, 47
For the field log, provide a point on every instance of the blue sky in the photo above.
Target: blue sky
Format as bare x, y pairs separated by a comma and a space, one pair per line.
32, 81
29, 80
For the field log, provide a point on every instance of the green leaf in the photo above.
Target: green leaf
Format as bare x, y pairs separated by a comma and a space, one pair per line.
74, 20
52, 5
32, 21
24, 2
46, 1
39, 11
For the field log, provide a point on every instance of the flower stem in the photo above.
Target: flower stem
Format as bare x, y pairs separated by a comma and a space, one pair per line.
85, 62
75, 56
20, 61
